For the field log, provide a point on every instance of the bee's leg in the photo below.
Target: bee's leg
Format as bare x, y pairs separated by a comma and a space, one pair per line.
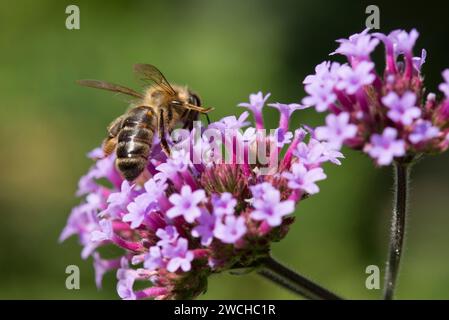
110, 142
186, 116
208, 119
162, 133
165, 146
191, 117
115, 126
109, 145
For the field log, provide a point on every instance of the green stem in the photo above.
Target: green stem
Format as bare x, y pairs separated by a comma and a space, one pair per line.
287, 278
402, 170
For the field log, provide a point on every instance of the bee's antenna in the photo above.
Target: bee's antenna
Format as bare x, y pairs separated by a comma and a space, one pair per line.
198, 108
208, 119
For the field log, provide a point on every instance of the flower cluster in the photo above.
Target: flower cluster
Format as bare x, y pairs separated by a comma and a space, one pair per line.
183, 220
386, 115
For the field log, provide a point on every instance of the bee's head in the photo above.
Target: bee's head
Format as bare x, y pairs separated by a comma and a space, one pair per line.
186, 99
194, 99
185, 96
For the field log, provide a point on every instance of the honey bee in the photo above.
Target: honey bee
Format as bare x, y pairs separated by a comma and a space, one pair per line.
158, 110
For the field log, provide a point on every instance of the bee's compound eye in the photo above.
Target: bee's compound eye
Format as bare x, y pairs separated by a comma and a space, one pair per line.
194, 99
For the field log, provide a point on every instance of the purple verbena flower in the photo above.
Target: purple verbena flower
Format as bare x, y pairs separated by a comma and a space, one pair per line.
118, 201
330, 153
223, 204
101, 266
402, 109
179, 256
286, 110
337, 130
231, 122
186, 204
155, 188
404, 41
359, 45
271, 209
126, 278
312, 153
153, 259
302, 178
256, 104
385, 147
87, 184
320, 96
423, 131
205, 227
96, 153
138, 209
282, 137
353, 79
419, 61
167, 235
261, 189
231, 229
325, 73
104, 233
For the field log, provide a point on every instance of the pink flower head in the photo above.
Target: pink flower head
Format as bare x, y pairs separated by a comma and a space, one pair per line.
364, 104
184, 219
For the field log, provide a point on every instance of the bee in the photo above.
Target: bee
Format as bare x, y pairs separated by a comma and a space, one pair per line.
157, 111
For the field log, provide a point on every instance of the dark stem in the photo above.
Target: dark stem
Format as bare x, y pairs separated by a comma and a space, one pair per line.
287, 278
401, 170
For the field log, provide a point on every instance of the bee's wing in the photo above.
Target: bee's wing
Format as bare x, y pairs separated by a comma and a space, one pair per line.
149, 72
109, 86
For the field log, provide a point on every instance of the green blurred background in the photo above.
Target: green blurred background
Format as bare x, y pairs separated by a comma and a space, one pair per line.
225, 50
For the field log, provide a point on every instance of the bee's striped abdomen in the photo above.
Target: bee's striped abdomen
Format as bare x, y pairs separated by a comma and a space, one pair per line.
134, 142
